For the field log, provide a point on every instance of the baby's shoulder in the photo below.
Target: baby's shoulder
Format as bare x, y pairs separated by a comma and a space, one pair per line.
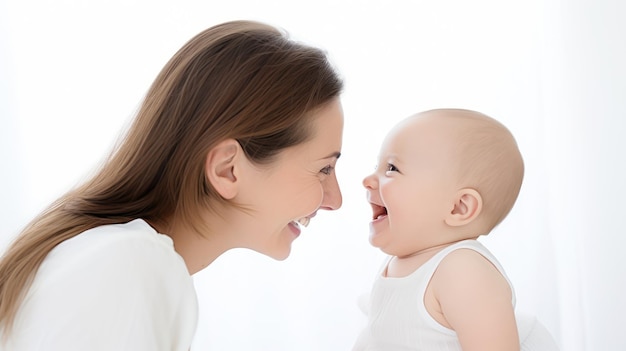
464, 259
466, 256
467, 269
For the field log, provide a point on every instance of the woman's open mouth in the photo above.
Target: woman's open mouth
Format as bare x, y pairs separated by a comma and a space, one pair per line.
304, 221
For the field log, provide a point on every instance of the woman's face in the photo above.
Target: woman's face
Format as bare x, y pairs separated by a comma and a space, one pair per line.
295, 186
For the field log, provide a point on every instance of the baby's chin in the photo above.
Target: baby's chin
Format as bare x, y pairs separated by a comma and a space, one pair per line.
377, 240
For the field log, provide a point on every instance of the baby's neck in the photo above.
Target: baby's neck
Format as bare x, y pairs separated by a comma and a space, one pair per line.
425, 252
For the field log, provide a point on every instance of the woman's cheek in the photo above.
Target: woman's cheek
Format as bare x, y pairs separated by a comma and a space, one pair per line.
314, 199
317, 197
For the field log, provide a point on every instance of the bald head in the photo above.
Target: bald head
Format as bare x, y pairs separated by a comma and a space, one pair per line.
482, 153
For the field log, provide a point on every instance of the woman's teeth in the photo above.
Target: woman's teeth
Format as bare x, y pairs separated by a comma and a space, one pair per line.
304, 221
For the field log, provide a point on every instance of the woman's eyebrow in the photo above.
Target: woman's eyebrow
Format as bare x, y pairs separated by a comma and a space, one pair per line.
335, 154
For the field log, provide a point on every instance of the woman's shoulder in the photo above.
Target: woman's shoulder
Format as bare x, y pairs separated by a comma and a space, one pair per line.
125, 279
129, 249
134, 237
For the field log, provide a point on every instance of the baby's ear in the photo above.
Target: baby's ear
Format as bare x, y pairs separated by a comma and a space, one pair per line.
467, 206
221, 167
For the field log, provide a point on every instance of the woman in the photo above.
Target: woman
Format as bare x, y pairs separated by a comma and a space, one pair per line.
234, 146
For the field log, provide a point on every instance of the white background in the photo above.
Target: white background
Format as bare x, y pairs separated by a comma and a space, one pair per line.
73, 72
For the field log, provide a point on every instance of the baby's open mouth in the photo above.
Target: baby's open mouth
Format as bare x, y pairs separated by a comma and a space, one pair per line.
378, 211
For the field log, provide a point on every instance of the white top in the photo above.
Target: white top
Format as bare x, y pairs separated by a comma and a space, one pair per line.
115, 287
398, 319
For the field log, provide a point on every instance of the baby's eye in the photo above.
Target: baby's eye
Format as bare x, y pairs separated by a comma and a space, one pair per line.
327, 170
391, 168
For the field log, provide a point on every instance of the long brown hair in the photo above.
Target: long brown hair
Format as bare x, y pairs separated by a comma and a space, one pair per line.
243, 80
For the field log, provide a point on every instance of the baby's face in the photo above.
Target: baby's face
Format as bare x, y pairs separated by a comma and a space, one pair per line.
413, 186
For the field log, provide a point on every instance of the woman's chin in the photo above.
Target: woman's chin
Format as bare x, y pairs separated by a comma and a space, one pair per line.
281, 251
280, 256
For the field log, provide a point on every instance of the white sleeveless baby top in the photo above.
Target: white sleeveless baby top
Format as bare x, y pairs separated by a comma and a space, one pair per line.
398, 320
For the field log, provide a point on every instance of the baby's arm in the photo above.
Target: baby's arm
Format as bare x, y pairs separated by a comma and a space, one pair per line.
474, 300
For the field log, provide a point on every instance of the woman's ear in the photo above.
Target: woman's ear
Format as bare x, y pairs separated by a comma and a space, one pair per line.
467, 206
221, 167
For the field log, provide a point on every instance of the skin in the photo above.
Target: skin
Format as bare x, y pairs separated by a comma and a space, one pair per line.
298, 183
420, 206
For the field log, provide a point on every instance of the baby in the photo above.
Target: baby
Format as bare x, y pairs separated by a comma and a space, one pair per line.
444, 178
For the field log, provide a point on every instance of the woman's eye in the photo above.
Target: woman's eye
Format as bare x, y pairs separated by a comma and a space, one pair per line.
391, 168
327, 170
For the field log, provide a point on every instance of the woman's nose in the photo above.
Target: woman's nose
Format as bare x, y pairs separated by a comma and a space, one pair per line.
332, 195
